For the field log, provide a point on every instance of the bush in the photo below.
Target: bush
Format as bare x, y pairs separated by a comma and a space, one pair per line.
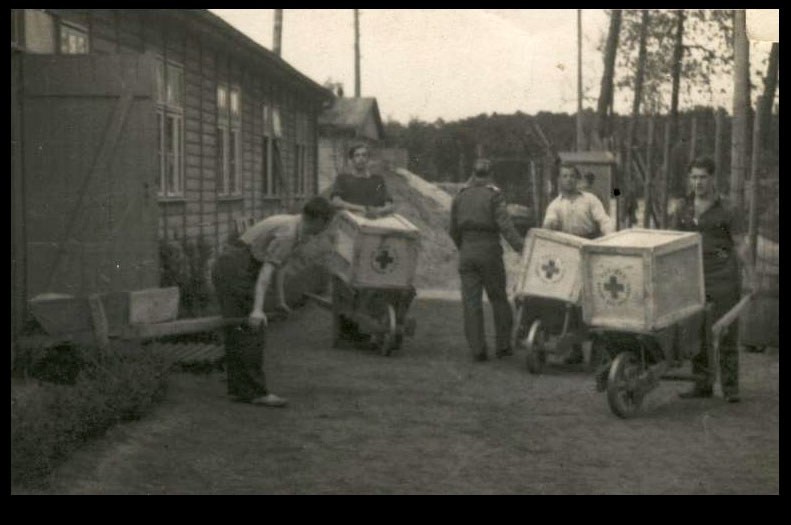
185, 264
50, 421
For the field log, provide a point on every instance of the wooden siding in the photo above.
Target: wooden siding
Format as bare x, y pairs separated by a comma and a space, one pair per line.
208, 59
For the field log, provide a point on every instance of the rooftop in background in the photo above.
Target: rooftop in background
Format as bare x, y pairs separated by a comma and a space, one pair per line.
586, 157
352, 115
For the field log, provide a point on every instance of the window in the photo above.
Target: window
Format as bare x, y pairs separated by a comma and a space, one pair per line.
229, 140
73, 39
170, 128
300, 154
269, 177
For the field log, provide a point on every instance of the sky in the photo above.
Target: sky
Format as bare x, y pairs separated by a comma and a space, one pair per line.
446, 63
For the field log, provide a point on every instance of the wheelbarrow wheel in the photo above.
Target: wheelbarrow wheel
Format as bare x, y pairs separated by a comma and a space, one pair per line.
622, 389
387, 340
536, 348
599, 364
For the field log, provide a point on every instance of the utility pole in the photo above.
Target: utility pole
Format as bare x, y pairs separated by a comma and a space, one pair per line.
357, 53
580, 132
277, 37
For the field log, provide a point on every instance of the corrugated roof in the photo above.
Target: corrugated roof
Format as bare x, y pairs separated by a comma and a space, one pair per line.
351, 114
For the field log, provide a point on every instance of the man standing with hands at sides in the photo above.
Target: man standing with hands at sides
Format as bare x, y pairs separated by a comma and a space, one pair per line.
478, 218
241, 277
721, 229
577, 213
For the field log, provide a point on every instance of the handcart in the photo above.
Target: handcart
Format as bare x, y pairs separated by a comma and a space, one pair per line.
373, 267
643, 297
548, 299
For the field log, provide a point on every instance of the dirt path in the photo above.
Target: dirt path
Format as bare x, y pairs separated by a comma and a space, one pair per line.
429, 421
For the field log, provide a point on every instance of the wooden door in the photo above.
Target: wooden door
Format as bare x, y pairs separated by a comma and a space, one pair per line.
89, 173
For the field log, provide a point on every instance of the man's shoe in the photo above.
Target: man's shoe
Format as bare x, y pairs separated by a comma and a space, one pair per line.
505, 352
269, 400
732, 398
696, 393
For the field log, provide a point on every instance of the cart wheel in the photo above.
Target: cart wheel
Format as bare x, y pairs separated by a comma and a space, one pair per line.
622, 392
600, 362
388, 340
536, 348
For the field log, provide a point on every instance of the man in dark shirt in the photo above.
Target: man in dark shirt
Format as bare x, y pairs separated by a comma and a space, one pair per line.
478, 217
721, 229
360, 190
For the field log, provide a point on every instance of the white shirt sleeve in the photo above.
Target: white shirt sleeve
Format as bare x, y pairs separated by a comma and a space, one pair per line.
551, 217
600, 216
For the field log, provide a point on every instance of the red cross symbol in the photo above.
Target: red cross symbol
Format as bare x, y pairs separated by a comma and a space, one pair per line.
613, 286
550, 269
384, 259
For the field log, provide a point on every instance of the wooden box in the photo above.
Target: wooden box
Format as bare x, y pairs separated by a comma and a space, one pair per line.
374, 253
551, 266
642, 280
60, 314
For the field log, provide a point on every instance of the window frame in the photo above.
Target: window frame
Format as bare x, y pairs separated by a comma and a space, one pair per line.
75, 28
170, 110
229, 124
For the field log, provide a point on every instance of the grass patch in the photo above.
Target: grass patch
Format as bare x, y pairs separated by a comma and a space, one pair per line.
50, 421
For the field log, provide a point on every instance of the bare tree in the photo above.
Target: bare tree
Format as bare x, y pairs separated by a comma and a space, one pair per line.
770, 86
580, 131
606, 92
357, 53
638, 96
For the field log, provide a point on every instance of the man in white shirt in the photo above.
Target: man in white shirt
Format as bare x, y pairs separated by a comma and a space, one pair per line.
576, 212
241, 277
579, 213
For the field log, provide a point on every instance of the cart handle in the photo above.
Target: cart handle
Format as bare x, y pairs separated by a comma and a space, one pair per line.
720, 326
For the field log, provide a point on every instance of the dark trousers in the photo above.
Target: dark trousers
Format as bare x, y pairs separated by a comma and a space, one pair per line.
724, 296
481, 267
234, 275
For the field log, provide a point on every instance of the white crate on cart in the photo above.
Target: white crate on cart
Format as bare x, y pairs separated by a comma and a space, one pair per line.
642, 280
375, 253
551, 266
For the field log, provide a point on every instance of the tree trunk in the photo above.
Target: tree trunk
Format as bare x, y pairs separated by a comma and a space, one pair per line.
770, 86
638, 96
663, 187
580, 131
755, 181
649, 174
719, 161
741, 106
606, 93
357, 53
672, 178
693, 138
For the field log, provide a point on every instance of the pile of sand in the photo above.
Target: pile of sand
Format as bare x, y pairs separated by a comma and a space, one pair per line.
428, 207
